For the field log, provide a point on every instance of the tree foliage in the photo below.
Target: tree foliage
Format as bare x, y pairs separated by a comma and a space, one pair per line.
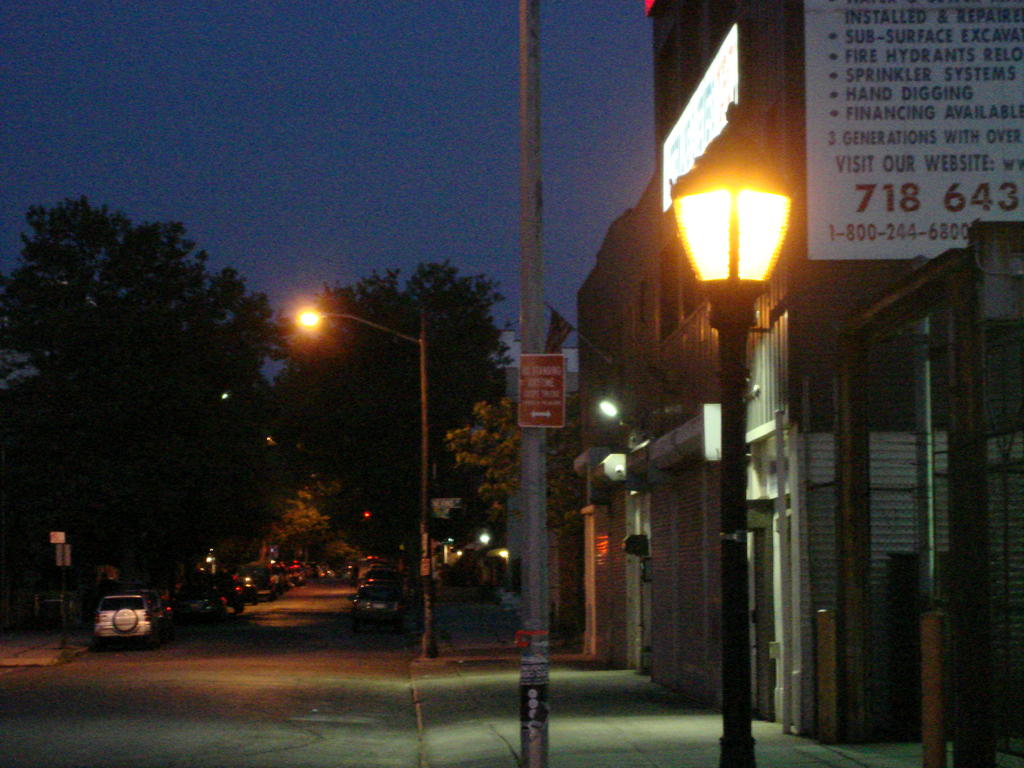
488, 448
302, 526
351, 393
134, 404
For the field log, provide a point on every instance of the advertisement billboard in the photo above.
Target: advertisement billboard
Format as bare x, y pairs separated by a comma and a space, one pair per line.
915, 123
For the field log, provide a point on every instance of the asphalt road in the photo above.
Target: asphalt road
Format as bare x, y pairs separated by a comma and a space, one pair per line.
286, 683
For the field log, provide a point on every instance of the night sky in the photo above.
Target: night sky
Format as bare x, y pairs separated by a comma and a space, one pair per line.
312, 142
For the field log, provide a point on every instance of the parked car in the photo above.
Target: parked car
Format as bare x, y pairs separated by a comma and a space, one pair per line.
257, 582
279, 578
384, 576
140, 615
200, 603
229, 587
367, 563
378, 604
296, 573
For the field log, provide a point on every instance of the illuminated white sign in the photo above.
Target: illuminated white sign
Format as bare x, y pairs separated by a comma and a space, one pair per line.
704, 116
915, 123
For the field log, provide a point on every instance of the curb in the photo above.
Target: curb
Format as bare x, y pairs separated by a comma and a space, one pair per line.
417, 703
43, 657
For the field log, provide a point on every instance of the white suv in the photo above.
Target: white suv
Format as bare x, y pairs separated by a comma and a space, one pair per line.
132, 615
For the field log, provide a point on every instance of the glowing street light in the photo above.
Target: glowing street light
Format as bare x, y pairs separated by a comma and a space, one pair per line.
310, 318
732, 226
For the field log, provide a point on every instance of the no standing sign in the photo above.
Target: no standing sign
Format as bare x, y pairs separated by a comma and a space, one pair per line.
542, 391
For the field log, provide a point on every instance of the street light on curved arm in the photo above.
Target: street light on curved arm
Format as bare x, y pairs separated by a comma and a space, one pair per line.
311, 318
732, 223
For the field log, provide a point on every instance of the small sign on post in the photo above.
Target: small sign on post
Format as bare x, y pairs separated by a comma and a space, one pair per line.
542, 391
442, 508
62, 550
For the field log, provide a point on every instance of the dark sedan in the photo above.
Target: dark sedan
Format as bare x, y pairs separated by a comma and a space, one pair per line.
200, 604
378, 604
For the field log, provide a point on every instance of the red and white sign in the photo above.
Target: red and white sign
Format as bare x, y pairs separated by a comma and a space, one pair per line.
542, 391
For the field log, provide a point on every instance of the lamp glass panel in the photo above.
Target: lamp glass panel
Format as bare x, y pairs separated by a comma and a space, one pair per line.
763, 218
703, 220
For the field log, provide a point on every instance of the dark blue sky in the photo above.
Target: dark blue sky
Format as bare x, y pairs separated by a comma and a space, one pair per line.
311, 142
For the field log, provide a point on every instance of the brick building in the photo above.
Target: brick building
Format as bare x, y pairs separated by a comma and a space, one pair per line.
651, 528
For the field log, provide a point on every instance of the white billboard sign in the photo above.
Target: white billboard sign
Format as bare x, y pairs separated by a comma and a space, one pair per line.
915, 123
704, 116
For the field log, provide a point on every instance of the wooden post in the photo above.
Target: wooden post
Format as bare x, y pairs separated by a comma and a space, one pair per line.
827, 678
933, 726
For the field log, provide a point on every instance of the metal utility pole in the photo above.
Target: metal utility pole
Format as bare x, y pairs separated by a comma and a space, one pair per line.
533, 637
428, 641
311, 319
4, 591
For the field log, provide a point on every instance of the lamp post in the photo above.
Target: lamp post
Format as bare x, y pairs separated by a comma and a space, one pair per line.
732, 233
312, 318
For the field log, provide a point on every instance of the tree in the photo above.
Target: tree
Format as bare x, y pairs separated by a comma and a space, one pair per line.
135, 402
489, 446
302, 526
488, 449
351, 393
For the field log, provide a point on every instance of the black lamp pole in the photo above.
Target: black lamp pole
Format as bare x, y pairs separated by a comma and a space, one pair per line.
732, 315
732, 301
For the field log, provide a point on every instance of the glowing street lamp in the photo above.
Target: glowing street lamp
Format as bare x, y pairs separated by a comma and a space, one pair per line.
311, 318
733, 226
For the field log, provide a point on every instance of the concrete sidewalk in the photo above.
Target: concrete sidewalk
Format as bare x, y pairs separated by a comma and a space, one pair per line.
41, 648
467, 700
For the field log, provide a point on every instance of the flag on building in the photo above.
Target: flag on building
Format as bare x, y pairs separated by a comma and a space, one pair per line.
558, 330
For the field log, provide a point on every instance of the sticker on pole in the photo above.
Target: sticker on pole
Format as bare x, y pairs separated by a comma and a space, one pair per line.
542, 391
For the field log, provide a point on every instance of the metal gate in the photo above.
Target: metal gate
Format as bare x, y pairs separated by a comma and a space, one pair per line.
1004, 419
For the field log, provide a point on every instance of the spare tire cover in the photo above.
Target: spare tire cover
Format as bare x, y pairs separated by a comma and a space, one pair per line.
125, 620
